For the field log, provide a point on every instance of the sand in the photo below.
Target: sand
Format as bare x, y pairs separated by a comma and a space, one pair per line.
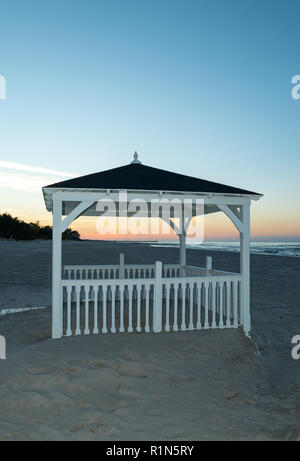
207, 385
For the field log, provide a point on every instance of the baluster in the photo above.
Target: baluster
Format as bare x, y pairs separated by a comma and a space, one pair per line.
113, 308
199, 289
168, 287
221, 325
206, 287
191, 323
96, 329
235, 304
69, 292
138, 288
228, 303
183, 301
175, 324
78, 330
86, 327
147, 327
130, 290
121, 309
104, 306
213, 300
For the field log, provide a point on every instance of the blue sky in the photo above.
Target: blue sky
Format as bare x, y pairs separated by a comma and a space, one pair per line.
198, 87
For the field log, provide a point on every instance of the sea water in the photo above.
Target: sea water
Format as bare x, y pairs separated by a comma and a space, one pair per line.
267, 248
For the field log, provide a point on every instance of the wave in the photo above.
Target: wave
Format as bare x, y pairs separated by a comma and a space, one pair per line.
19, 310
291, 249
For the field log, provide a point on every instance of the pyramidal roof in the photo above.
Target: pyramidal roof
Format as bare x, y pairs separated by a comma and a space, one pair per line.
137, 176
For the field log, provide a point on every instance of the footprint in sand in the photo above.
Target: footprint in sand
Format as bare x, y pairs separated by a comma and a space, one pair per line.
127, 392
77, 428
130, 356
89, 364
181, 378
74, 373
130, 369
41, 371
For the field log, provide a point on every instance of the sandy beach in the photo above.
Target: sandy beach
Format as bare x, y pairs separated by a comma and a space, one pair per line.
201, 385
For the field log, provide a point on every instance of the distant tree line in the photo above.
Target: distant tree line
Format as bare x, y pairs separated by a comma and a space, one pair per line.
14, 228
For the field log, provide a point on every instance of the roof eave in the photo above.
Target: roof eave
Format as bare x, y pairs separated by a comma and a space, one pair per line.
50, 191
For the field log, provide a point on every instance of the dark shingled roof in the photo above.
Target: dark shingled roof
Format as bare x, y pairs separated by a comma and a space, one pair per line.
141, 177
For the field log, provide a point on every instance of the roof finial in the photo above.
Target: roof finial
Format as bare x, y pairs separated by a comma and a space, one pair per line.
135, 159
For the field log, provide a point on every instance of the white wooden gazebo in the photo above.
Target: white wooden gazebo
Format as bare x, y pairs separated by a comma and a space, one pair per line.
159, 297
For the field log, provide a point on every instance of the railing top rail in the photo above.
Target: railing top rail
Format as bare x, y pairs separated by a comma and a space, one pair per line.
216, 271
107, 282
188, 266
84, 266
145, 281
105, 266
116, 266
203, 279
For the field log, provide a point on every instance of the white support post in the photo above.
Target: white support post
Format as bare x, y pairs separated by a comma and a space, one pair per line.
122, 267
157, 308
182, 254
245, 269
57, 320
182, 243
208, 264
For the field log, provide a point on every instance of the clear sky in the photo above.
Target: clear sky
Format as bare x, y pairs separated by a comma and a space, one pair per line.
198, 87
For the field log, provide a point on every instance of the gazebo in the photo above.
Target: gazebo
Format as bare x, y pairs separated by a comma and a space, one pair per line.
160, 297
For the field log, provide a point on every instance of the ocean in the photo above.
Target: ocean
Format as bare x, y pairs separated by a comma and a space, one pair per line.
268, 248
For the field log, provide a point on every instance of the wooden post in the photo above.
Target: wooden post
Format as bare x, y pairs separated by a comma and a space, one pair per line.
57, 320
208, 264
182, 256
182, 252
157, 308
122, 268
245, 269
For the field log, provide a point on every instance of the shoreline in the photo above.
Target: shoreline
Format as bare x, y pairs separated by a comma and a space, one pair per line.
256, 247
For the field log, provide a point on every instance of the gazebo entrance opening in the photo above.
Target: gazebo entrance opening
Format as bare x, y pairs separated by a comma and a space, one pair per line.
158, 297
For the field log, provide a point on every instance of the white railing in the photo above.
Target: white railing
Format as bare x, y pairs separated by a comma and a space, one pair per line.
130, 271
107, 306
195, 303
133, 271
195, 271
158, 303
138, 271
